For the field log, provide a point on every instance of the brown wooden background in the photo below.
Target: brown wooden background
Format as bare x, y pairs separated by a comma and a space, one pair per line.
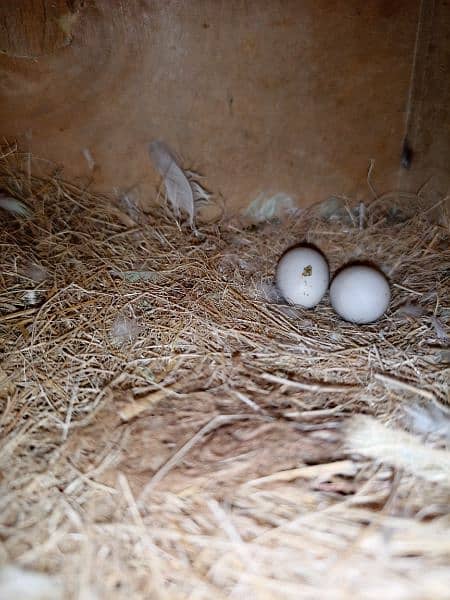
259, 95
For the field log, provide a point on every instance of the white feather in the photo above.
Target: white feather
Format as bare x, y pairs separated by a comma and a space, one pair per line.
35, 272
32, 297
14, 206
439, 328
428, 420
409, 309
266, 207
183, 192
130, 206
234, 261
367, 436
20, 584
124, 330
89, 158
267, 291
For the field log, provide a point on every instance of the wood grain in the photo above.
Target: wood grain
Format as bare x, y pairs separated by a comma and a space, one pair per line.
35, 28
264, 96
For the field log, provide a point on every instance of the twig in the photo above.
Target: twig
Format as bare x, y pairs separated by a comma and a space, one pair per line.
18, 314
320, 387
341, 467
393, 382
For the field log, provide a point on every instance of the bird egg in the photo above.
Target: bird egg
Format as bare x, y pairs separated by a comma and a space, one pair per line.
360, 294
302, 276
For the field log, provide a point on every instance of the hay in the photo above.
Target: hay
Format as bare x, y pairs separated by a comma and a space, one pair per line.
169, 432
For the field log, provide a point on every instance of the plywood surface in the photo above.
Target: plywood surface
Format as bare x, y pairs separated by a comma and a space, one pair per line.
260, 96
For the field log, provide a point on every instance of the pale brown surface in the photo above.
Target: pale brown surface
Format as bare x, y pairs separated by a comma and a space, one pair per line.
260, 96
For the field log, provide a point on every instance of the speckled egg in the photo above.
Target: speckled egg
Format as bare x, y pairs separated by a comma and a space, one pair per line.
302, 276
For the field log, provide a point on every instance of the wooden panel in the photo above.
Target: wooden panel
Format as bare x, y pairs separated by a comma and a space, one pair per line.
34, 28
429, 122
261, 96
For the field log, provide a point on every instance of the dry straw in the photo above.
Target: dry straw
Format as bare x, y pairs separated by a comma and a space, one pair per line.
170, 430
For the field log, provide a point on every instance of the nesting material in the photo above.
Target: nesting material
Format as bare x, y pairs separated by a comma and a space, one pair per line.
185, 434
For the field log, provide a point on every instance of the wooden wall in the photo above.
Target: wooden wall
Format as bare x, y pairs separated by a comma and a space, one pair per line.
259, 95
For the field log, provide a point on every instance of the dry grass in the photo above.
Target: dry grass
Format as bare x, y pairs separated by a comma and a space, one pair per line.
169, 431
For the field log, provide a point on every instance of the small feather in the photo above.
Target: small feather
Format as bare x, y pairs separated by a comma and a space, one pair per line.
33, 297
440, 330
428, 420
22, 584
124, 330
234, 261
35, 272
178, 188
89, 158
14, 206
135, 276
266, 208
130, 206
362, 215
443, 356
201, 196
333, 208
268, 292
409, 309
367, 436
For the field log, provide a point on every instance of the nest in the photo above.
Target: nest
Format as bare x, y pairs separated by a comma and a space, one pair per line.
171, 429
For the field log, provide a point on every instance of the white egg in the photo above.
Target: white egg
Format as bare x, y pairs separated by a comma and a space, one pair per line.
302, 276
360, 294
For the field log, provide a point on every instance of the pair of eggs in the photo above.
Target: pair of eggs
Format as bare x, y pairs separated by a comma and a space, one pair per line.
358, 293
